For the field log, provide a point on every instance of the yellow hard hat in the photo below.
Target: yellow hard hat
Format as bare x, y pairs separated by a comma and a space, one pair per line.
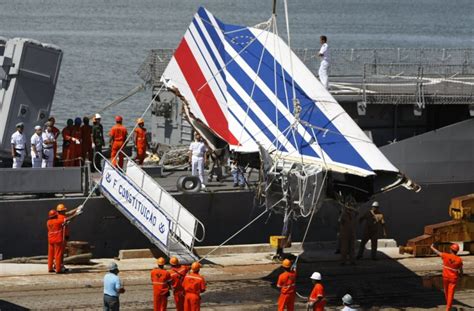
140, 120
161, 261
174, 261
196, 266
61, 207
286, 263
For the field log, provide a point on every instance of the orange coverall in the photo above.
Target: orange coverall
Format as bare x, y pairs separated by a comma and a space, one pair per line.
55, 243
76, 148
141, 144
318, 291
56, 133
67, 146
161, 286
86, 132
193, 284
177, 276
287, 283
452, 265
118, 133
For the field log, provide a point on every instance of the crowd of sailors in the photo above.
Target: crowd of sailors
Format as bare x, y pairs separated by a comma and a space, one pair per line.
80, 142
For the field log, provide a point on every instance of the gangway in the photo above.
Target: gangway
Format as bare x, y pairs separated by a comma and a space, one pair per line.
150, 208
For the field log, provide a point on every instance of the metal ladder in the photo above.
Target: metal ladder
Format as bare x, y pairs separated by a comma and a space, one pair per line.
119, 186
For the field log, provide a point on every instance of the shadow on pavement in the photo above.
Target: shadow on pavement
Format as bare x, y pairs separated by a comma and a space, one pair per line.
7, 306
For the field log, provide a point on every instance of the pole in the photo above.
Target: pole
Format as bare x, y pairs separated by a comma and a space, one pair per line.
274, 6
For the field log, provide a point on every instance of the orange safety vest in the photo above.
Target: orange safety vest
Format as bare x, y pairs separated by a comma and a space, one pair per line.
160, 279
118, 133
287, 282
55, 230
318, 291
177, 277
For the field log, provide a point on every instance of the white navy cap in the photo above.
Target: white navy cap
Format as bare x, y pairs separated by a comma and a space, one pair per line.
38, 127
20, 124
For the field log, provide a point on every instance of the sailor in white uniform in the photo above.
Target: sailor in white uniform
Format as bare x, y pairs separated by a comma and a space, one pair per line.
324, 67
48, 146
36, 148
18, 142
197, 152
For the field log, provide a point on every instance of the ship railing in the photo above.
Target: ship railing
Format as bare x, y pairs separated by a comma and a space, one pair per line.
176, 228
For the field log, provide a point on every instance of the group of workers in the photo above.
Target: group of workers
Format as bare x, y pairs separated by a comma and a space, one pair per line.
80, 142
185, 282
374, 223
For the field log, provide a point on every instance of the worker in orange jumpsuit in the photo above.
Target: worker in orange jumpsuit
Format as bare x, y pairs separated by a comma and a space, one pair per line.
55, 228
178, 272
68, 142
452, 270
194, 285
287, 284
118, 136
161, 281
86, 137
56, 133
140, 140
316, 300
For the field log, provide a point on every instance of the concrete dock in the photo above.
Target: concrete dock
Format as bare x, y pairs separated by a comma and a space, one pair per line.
245, 281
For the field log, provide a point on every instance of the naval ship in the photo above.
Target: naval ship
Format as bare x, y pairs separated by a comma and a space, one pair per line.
416, 105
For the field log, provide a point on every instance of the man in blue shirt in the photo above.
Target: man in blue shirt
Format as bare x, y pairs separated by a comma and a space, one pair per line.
112, 289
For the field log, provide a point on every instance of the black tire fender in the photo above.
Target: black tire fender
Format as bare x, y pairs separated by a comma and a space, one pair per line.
182, 182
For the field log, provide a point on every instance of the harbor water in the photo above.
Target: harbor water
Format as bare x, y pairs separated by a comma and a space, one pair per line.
105, 41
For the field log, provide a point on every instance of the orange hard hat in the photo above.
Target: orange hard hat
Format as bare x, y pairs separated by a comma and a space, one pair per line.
61, 207
161, 261
174, 261
118, 119
195, 266
454, 247
140, 120
286, 263
52, 213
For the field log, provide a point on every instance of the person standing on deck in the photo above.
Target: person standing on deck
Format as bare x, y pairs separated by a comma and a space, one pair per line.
324, 67
197, 157
113, 287
452, 270
317, 299
36, 147
56, 133
373, 220
77, 146
118, 136
140, 140
48, 146
18, 142
97, 140
194, 285
86, 137
68, 141
161, 280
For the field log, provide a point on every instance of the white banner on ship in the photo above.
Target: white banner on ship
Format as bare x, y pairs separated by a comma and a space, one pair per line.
135, 204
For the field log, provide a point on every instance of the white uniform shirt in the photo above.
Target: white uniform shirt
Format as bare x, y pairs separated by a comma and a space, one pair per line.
346, 308
325, 52
37, 141
18, 140
47, 136
198, 149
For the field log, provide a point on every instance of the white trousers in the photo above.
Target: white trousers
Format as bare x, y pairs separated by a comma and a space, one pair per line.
197, 164
323, 73
48, 152
18, 161
36, 161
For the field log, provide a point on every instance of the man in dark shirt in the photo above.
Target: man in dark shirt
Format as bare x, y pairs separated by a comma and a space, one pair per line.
97, 140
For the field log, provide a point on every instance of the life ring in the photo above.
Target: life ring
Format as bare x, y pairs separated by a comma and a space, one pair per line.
189, 184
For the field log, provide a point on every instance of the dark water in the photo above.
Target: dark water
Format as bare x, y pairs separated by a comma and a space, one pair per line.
105, 41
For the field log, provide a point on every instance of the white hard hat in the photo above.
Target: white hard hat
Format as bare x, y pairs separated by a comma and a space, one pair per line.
347, 299
38, 127
97, 116
375, 204
316, 276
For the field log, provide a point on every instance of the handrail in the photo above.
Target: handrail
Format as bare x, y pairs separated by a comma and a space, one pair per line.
180, 206
174, 221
